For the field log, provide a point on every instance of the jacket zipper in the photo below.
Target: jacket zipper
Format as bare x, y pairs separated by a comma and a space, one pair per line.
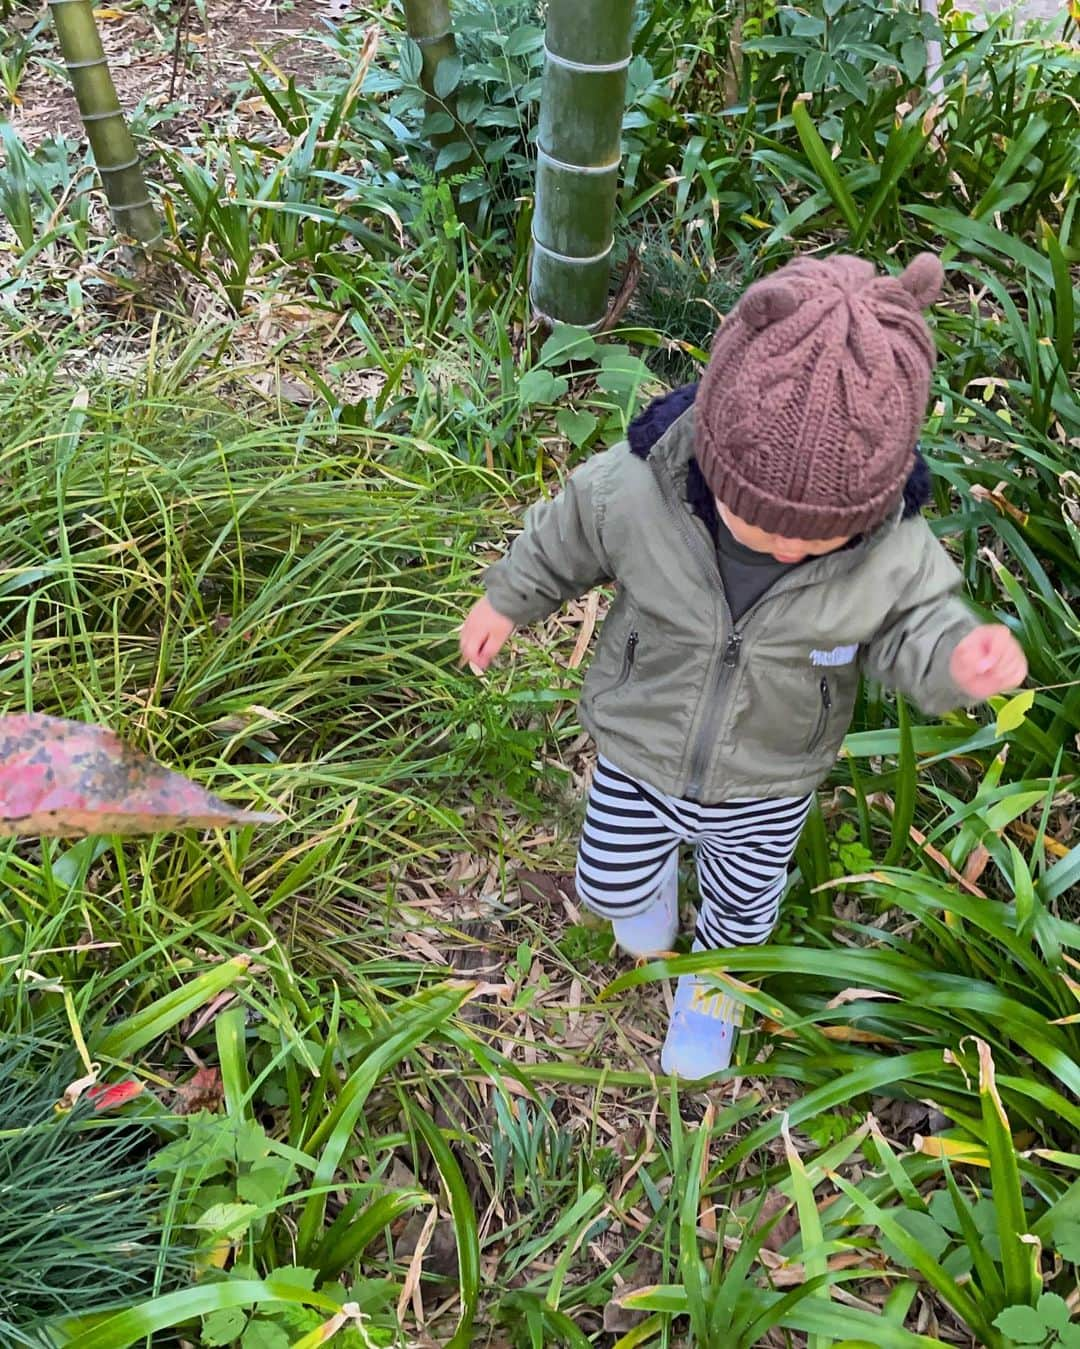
823, 716
629, 652
718, 674
699, 760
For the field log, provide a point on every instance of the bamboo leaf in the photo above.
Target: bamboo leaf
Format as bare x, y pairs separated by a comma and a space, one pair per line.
906, 788
1019, 1258
818, 155
813, 1238
229, 1032
409, 1024
1064, 302
128, 1037
1012, 713
175, 1309
466, 1234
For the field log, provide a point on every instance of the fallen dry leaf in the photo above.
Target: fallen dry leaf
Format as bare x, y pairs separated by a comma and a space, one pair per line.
66, 779
204, 1090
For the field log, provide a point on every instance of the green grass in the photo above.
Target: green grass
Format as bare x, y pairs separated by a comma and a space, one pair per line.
247, 544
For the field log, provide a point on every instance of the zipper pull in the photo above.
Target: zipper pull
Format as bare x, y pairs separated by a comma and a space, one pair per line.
631, 647
826, 694
731, 651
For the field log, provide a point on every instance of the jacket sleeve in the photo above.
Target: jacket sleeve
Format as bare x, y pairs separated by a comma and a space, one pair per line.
912, 649
560, 553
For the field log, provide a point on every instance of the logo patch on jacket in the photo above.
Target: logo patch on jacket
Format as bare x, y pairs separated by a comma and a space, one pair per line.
839, 655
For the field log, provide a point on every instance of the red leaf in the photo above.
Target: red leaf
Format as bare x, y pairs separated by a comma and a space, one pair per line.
66, 779
108, 1098
203, 1091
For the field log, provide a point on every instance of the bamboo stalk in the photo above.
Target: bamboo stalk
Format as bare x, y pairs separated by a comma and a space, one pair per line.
428, 24
114, 150
934, 83
578, 157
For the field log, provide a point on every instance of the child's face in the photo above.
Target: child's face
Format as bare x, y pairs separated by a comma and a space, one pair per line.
784, 550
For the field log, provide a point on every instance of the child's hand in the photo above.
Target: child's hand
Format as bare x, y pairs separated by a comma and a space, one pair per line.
989, 660
483, 635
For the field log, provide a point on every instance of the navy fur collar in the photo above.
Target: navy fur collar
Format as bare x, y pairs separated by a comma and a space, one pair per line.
649, 425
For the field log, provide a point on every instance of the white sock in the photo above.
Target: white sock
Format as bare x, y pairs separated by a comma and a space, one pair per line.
655, 929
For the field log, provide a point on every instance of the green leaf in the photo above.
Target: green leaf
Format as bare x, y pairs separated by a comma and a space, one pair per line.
1022, 1324
818, 155
567, 343
222, 1328
906, 788
453, 153
1066, 1241
410, 61
815, 1258
527, 38
411, 1021
264, 1335
943, 1210
225, 1220
540, 386
577, 427
297, 1276
127, 1037
623, 375
447, 76
252, 1144
1012, 714
466, 1235
930, 1235
1018, 1257
1054, 1310
208, 1148
438, 123
264, 1185
173, 1309
1069, 1337
913, 57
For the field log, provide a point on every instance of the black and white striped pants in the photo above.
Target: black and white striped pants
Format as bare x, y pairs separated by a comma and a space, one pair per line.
743, 850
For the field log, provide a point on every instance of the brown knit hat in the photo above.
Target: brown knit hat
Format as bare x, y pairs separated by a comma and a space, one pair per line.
808, 413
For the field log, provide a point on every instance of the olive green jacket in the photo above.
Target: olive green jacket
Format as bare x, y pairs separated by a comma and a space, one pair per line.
678, 694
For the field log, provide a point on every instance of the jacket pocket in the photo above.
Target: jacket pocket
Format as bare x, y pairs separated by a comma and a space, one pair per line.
629, 656
824, 715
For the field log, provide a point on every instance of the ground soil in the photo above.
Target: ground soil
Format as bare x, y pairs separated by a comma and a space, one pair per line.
141, 46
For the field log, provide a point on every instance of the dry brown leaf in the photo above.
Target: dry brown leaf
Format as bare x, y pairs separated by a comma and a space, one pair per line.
410, 1289
842, 1034
858, 995
585, 632
426, 949
204, 1090
976, 863
1027, 833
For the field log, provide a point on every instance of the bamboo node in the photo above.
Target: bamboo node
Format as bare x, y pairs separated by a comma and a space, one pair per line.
586, 67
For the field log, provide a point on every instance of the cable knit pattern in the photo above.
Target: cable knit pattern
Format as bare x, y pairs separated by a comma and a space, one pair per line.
812, 402
651, 423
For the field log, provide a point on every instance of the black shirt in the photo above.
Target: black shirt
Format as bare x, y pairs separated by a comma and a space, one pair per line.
746, 574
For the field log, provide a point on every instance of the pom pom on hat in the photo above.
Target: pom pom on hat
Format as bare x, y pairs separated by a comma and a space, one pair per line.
767, 302
923, 279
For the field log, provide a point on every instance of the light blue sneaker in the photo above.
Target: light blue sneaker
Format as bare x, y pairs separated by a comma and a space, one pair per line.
704, 1023
654, 931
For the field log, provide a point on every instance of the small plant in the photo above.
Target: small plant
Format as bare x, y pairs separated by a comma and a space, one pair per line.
16, 50
79, 1227
1048, 1324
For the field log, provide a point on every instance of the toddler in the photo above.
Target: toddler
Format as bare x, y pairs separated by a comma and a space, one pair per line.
765, 537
